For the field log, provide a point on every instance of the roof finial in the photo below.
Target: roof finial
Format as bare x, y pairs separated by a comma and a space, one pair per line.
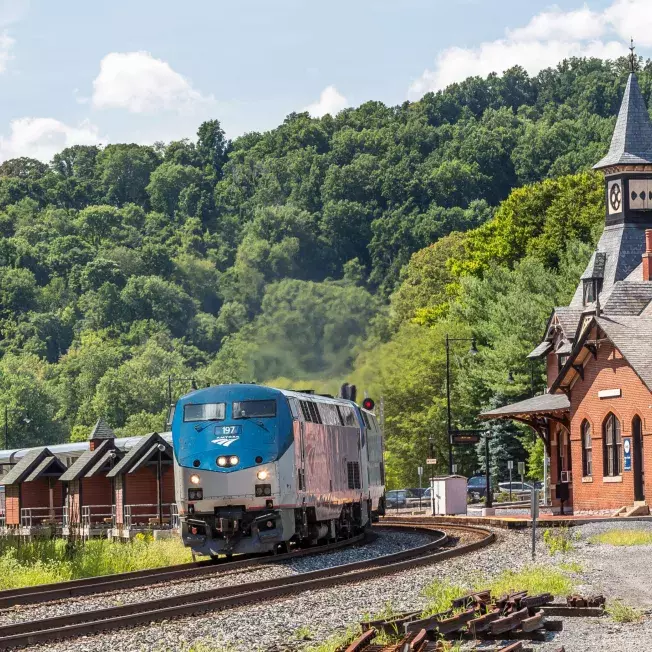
632, 56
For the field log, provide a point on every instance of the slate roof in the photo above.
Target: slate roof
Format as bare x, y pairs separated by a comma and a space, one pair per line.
111, 453
51, 464
540, 351
102, 430
628, 298
569, 318
632, 336
624, 245
26, 465
564, 348
84, 462
542, 404
131, 459
631, 142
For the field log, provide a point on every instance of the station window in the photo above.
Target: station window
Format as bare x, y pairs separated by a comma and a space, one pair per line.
204, 411
612, 444
587, 449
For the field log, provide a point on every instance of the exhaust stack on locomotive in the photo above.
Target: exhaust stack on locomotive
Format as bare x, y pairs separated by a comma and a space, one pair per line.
259, 469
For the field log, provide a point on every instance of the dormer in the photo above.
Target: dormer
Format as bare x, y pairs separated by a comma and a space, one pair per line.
593, 278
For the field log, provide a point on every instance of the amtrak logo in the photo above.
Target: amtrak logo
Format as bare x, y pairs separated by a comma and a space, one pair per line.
226, 440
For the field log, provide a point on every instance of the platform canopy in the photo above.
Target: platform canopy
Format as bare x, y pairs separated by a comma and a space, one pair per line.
535, 412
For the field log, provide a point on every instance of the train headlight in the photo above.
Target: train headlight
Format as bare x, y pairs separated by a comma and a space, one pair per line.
233, 460
194, 478
261, 475
221, 460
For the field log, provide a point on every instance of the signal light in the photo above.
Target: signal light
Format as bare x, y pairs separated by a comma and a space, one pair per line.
368, 404
221, 460
233, 460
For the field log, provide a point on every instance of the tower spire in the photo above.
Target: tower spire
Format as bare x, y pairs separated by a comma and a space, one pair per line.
632, 56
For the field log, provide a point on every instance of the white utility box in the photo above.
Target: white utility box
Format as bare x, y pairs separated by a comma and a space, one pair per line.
448, 495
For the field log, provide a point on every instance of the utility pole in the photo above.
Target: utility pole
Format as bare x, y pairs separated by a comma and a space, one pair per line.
488, 503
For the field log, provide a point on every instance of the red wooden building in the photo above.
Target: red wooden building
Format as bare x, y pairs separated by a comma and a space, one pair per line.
144, 487
33, 493
89, 493
596, 418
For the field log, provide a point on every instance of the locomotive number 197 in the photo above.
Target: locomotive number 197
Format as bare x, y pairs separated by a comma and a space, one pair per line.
227, 430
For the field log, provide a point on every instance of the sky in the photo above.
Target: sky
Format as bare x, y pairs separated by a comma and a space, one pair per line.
99, 71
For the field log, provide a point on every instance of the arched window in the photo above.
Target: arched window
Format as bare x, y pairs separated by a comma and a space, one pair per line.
612, 445
587, 449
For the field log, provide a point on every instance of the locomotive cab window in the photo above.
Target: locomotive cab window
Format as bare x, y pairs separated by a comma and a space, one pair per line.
254, 409
204, 412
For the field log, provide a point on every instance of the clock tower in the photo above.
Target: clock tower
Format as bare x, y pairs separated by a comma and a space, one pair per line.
628, 165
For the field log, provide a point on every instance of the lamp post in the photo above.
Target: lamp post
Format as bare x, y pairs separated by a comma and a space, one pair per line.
26, 420
171, 379
449, 429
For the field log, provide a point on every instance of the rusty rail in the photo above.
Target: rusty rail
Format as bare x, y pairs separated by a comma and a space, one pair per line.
73, 625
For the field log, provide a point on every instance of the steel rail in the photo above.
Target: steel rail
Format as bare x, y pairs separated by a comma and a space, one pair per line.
80, 624
108, 583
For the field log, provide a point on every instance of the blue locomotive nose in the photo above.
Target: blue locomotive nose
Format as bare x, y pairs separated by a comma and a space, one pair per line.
231, 427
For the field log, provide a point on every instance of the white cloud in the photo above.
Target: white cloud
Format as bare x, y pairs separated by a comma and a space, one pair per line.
330, 101
581, 24
548, 38
632, 18
42, 138
138, 82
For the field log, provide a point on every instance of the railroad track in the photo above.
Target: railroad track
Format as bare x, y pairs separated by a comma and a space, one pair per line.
110, 583
80, 624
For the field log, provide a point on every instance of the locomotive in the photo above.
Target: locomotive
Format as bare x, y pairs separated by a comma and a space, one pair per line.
259, 469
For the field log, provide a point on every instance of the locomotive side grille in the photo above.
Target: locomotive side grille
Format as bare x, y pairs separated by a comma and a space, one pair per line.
353, 472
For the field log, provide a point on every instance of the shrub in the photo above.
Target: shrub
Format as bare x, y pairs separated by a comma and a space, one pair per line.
623, 613
559, 540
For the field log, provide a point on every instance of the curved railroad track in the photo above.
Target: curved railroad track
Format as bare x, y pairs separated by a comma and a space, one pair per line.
84, 623
120, 581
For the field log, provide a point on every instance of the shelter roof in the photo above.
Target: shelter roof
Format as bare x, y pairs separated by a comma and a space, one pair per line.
26, 466
542, 404
131, 461
540, 350
83, 463
50, 466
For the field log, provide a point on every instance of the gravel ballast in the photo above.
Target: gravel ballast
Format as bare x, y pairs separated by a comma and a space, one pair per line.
618, 572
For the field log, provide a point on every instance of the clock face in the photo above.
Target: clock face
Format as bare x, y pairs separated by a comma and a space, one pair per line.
615, 197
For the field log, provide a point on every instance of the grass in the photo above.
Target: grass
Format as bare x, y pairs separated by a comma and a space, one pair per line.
303, 633
571, 567
623, 613
533, 579
55, 560
559, 540
623, 538
440, 594
341, 639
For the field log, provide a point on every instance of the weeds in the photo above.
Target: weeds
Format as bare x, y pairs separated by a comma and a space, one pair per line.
46, 561
623, 538
336, 641
571, 567
559, 540
533, 579
440, 594
303, 633
623, 613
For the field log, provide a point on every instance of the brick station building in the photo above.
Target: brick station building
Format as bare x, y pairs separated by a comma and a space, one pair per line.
596, 417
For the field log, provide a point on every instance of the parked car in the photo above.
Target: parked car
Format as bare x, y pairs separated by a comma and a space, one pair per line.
517, 487
396, 498
477, 486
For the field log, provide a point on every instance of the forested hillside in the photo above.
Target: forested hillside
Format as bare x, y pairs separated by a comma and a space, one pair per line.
288, 255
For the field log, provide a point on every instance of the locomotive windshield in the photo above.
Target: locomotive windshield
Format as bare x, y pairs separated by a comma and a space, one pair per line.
249, 409
204, 412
